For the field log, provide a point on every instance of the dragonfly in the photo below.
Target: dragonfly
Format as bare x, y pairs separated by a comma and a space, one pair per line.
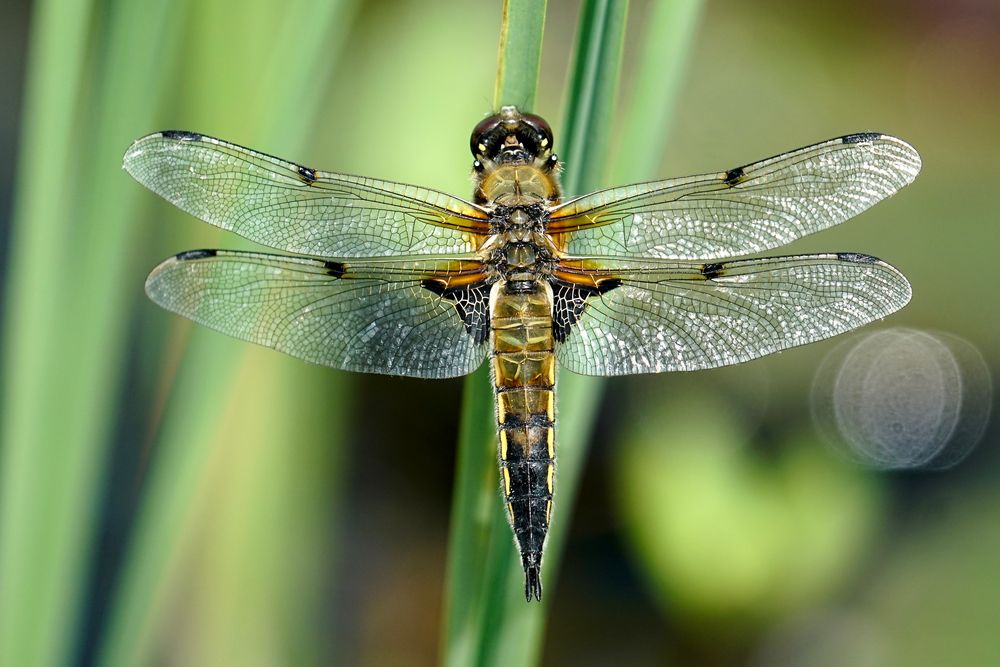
384, 277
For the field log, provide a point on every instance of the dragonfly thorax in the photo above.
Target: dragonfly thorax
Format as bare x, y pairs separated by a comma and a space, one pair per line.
519, 250
516, 258
518, 184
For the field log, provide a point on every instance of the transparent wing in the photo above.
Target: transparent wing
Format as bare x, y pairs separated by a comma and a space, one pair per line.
365, 316
685, 316
296, 209
741, 211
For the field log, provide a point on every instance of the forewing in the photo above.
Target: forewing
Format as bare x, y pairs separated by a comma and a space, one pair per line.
297, 209
684, 316
365, 316
743, 210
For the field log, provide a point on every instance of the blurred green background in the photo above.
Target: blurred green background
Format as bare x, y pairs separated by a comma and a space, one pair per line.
170, 496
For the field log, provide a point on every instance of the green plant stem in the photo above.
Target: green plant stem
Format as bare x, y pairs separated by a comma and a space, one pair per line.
34, 620
216, 381
520, 54
595, 72
480, 553
594, 76
499, 627
669, 33
667, 37
72, 237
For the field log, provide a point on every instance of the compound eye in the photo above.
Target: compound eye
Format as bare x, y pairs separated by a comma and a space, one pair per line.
478, 143
542, 127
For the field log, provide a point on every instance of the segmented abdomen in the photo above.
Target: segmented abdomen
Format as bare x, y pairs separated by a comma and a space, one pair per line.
523, 365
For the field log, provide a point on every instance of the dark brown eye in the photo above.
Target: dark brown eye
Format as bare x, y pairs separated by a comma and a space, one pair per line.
542, 127
484, 127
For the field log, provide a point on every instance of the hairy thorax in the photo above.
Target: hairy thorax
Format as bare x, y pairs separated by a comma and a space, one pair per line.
519, 251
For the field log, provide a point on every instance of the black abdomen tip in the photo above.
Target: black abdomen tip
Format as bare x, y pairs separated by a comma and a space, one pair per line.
532, 576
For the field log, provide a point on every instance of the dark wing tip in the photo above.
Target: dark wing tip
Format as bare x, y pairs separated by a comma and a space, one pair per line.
861, 137
152, 290
532, 576
900, 160
181, 135
189, 255
172, 135
857, 258
903, 292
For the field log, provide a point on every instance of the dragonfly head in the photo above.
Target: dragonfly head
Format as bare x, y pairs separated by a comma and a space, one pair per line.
511, 137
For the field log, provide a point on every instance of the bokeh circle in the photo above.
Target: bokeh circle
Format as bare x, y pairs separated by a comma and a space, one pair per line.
903, 398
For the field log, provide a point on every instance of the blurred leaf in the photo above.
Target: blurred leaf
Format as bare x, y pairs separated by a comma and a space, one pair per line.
592, 94
520, 54
665, 44
589, 122
595, 71
477, 624
933, 598
591, 100
298, 416
729, 539
511, 631
66, 311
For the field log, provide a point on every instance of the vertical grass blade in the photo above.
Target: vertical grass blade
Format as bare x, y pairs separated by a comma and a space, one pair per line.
589, 121
513, 630
594, 73
669, 32
236, 463
593, 92
66, 320
480, 553
498, 627
520, 55
472, 522
35, 619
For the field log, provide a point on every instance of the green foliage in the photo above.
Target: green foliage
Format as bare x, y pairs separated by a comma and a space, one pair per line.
263, 398
67, 309
488, 618
482, 624
520, 54
765, 538
170, 496
223, 416
95, 86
